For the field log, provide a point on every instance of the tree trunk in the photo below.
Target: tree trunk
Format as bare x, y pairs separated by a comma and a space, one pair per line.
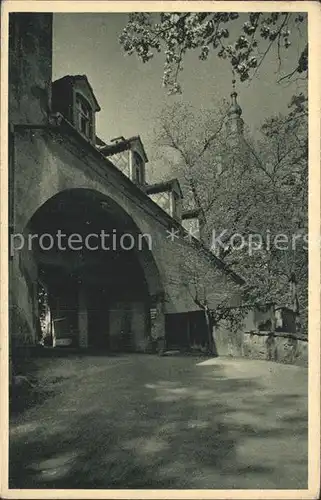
295, 301
294, 294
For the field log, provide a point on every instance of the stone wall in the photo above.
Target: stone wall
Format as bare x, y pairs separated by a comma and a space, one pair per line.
48, 163
282, 347
30, 67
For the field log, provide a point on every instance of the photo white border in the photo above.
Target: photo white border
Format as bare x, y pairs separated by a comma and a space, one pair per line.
313, 8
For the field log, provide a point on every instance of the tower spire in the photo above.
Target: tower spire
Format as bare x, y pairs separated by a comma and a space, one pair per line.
234, 108
235, 122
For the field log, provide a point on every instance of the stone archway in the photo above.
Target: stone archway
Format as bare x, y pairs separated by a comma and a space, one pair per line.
99, 272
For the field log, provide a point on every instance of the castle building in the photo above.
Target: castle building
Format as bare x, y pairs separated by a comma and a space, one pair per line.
94, 249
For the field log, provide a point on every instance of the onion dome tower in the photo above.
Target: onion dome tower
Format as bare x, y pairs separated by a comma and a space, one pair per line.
234, 124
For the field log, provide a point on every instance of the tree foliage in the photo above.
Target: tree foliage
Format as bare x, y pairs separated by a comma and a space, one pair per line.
247, 187
251, 186
242, 39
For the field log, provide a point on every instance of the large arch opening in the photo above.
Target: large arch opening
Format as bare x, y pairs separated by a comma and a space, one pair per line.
94, 277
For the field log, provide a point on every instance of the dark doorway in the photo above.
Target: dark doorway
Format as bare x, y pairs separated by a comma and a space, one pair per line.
186, 331
59, 312
176, 331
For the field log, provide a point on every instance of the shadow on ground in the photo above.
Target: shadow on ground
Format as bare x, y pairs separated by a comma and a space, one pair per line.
149, 422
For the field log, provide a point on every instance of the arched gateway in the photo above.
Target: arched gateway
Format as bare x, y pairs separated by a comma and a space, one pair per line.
91, 272
95, 250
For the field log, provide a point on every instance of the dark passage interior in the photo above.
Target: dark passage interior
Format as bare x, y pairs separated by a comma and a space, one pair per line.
97, 294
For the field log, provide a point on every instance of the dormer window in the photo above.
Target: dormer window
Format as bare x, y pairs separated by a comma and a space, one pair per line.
73, 97
168, 196
84, 116
128, 155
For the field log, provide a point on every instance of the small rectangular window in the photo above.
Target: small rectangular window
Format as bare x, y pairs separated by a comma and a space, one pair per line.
138, 174
175, 205
138, 167
84, 116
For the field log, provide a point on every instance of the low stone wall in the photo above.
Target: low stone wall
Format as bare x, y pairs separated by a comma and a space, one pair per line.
282, 347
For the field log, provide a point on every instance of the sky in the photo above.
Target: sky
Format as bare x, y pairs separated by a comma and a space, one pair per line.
130, 93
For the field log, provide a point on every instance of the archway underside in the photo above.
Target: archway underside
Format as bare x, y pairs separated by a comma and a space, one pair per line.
92, 287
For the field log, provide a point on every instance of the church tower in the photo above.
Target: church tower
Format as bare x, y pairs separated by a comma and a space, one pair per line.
234, 123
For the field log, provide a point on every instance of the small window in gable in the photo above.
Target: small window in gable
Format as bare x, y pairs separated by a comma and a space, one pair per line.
138, 176
83, 116
175, 204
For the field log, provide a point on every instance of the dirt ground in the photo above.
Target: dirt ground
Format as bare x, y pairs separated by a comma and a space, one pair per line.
143, 421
